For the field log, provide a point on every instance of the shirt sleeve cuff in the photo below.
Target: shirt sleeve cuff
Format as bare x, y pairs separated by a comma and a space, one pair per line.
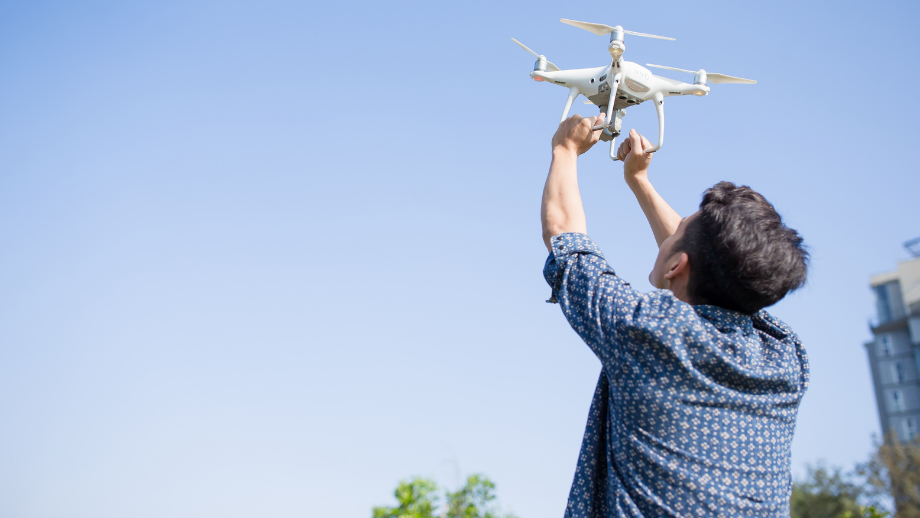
574, 243
565, 245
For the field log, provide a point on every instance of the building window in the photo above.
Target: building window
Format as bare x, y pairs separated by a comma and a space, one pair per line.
884, 345
910, 428
897, 372
896, 400
883, 303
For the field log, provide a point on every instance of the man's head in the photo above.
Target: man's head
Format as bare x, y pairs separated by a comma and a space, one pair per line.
735, 253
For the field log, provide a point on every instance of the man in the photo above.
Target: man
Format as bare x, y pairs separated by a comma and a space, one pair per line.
696, 404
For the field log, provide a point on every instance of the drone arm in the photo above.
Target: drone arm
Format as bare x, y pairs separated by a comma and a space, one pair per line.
659, 107
573, 93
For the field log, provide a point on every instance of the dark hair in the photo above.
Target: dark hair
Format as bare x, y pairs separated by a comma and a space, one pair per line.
742, 256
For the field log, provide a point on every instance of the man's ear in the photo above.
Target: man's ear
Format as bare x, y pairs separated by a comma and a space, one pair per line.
677, 265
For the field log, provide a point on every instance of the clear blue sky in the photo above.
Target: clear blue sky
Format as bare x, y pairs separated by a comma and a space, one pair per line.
268, 258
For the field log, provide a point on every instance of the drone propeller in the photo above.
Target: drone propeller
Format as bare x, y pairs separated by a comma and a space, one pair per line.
713, 78
549, 66
671, 68
601, 29
722, 78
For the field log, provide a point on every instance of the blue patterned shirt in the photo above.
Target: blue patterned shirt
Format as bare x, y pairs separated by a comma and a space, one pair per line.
695, 407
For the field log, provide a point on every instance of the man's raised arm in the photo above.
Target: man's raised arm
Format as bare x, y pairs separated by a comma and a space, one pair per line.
661, 217
562, 210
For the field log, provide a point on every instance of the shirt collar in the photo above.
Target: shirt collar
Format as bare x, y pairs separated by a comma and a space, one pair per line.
725, 319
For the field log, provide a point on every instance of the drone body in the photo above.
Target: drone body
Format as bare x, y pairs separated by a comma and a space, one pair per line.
627, 83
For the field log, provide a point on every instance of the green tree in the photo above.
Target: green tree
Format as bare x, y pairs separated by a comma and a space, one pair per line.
893, 472
867, 512
474, 500
826, 493
418, 498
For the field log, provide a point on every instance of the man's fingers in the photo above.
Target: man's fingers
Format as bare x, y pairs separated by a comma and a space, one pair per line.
645, 143
624, 150
635, 140
638, 138
599, 119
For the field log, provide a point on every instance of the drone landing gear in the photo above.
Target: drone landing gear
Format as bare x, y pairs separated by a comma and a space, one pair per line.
659, 107
614, 120
573, 93
612, 130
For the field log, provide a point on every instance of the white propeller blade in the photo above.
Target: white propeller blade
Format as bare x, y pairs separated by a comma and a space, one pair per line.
525, 47
722, 78
671, 68
549, 66
644, 35
710, 76
600, 29
597, 28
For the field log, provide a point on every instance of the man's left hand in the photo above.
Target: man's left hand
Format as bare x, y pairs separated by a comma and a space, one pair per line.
635, 160
575, 133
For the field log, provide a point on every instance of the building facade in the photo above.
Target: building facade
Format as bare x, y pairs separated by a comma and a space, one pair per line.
894, 354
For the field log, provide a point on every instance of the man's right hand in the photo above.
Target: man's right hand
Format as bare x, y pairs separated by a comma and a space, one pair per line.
635, 159
576, 133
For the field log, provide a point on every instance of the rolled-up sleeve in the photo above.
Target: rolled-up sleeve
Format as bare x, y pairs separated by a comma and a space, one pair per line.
590, 294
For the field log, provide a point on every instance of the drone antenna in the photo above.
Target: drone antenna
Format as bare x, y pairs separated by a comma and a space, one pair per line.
913, 246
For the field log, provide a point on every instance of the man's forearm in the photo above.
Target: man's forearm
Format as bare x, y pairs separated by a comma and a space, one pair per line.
562, 210
661, 217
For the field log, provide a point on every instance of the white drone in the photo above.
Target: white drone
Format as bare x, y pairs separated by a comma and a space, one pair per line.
629, 83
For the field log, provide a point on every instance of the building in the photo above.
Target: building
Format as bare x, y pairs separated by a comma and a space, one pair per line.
894, 354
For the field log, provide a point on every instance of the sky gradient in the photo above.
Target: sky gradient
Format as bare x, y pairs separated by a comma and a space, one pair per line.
268, 258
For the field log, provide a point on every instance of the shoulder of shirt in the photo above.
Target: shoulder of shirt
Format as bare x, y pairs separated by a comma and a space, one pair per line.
773, 326
663, 305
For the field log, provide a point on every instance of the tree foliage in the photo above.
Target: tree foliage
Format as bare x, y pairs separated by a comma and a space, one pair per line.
417, 498
474, 500
826, 493
893, 472
420, 497
891, 475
